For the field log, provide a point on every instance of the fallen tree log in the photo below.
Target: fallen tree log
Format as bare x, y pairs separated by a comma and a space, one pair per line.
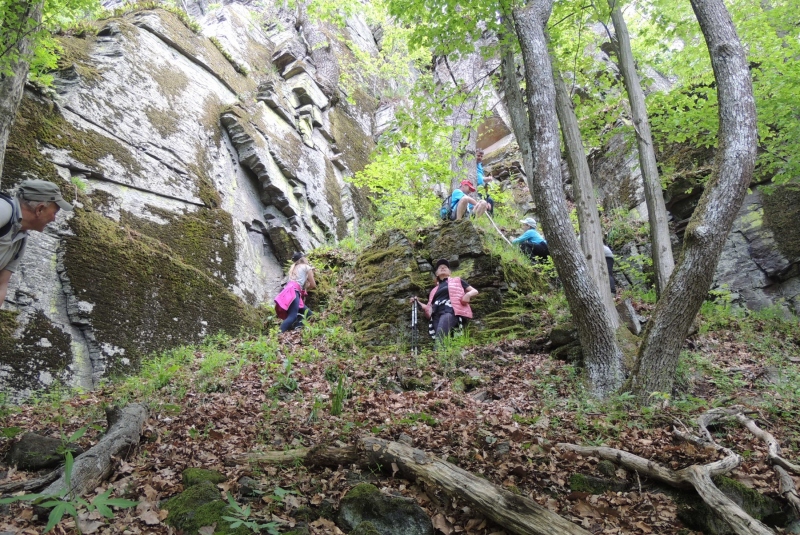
515, 513
94, 465
316, 456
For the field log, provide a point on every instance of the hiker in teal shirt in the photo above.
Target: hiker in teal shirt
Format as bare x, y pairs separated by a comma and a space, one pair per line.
531, 242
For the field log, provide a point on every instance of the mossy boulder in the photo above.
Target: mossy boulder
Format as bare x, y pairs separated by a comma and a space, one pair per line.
394, 268
694, 512
389, 515
571, 353
195, 476
36, 452
199, 506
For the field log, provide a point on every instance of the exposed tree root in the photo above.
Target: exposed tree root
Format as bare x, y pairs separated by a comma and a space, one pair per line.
698, 476
517, 514
94, 465
30, 484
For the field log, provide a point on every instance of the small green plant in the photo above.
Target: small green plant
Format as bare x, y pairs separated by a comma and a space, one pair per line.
241, 517
339, 394
419, 417
313, 416
62, 503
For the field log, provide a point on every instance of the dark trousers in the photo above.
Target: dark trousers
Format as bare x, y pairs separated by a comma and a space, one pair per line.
611, 280
444, 325
295, 315
535, 250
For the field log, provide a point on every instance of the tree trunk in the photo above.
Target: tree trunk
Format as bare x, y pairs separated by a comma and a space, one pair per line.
603, 358
94, 465
17, 31
663, 262
586, 203
714, 215
515, 103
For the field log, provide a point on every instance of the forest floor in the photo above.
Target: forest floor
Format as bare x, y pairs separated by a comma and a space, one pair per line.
496, 410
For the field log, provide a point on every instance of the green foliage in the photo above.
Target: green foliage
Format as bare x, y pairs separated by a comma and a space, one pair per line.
17, 23
688, 112
63, 503
241, 517
338, 397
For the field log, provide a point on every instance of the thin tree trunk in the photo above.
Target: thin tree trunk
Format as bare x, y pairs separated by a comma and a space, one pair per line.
17, 33
663, 262
515, 102
716, 211
602, 356
586, 202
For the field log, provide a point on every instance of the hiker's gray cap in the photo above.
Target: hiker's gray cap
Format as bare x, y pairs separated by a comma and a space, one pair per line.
531, 222
42, 191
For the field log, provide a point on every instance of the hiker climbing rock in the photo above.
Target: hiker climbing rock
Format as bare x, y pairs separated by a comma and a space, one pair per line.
448, 303
34, 206
461, 203
531, 242
289, 305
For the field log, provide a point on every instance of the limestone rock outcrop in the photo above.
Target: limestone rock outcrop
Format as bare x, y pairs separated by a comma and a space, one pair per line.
200, 157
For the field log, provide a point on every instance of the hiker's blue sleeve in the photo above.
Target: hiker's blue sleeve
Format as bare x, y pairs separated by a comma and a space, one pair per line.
526, 236
479, 170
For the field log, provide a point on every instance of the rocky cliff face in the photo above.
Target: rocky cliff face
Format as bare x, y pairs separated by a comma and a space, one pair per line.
201, 161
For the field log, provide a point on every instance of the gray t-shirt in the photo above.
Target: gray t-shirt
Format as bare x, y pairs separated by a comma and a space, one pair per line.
301, 274
12, 245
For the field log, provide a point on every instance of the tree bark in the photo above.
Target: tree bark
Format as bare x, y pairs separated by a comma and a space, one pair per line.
317, 456
515, 102
602, 356
94, 465
17, 34
716, 211
586, 202
663, 262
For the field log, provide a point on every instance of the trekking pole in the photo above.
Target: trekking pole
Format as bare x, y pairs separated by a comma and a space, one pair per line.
414, 329
496, 228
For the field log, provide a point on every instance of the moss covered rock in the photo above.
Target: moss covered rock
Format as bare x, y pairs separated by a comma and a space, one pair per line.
195, 476
199, 506
159, 301
596, 485
388, 515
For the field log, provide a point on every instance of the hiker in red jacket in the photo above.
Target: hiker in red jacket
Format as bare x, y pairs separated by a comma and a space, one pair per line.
448, 303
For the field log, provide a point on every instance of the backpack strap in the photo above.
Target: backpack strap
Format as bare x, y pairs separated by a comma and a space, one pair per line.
5, 229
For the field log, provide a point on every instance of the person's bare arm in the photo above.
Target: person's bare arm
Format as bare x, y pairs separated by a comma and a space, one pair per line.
5, 276
468, 295
310, 282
